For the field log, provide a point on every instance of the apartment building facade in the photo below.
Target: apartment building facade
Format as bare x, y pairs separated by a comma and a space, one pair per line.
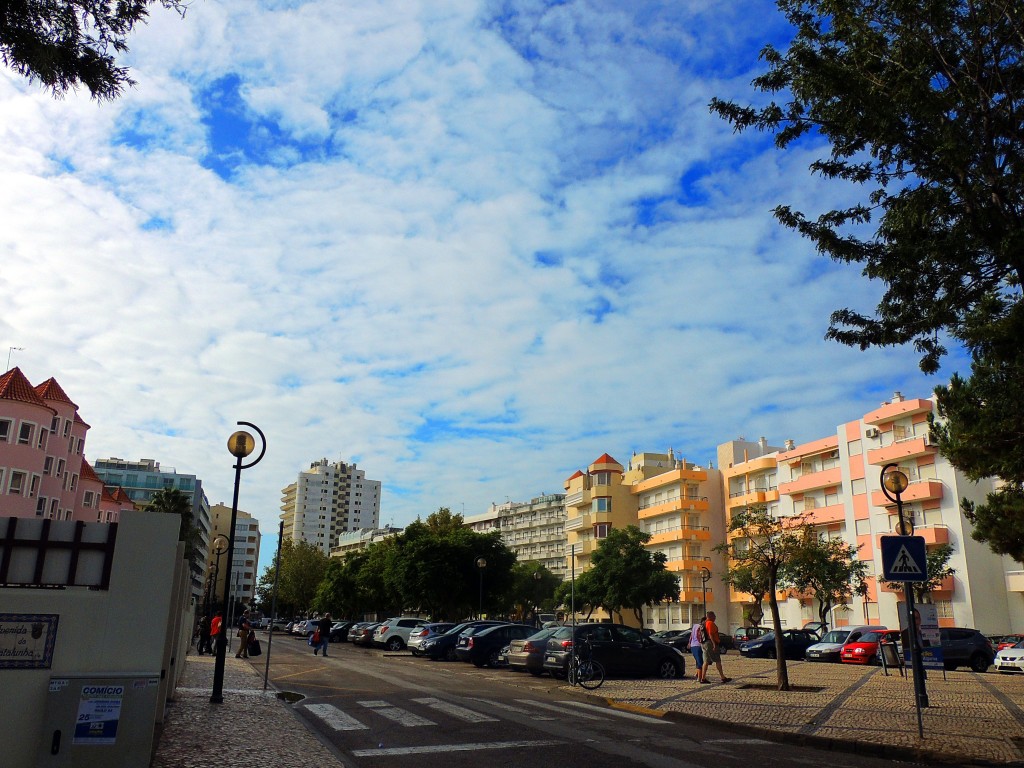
43, 469
534, 530
329, 499
245, 557
834, 482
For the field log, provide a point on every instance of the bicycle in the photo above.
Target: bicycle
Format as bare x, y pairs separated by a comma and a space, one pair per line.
584, 670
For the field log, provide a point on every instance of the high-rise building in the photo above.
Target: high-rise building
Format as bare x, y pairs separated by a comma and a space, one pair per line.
245, 557
43, 470
535, 530
327, 500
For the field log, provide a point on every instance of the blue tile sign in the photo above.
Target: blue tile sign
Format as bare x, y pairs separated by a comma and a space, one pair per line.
903, 558
27, 640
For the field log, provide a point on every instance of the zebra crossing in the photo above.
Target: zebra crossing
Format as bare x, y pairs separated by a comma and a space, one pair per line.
371, 714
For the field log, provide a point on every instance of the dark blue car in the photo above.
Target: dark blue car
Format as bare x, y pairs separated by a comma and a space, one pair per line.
795, 643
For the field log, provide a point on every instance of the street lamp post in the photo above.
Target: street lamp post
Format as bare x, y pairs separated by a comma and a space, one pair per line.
536, 603
894, 483
481, 563
240, 445
220, 546
705, 577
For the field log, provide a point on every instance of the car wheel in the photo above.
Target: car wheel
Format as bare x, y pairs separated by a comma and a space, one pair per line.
479, 663
494, 658
395, 644
979, 663
668, 669
536, 672
450, 655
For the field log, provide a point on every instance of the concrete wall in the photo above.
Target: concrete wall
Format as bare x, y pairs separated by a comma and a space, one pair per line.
129, 629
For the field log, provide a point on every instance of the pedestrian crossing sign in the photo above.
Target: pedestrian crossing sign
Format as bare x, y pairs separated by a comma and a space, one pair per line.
904, 559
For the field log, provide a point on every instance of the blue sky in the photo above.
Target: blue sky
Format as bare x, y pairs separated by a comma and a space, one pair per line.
469, 245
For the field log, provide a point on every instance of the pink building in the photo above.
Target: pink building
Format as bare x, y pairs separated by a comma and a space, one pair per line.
43, 471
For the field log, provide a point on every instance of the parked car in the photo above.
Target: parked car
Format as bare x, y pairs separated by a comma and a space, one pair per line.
864, 650
962, 647
277, 626
1006, 641
362, 634
443, 646
1010, 659
667, 634
746, 634
795, 643
831, 645
305, 628
393, 634
339, 631
421, 634
621, 650
528, 653
483, 647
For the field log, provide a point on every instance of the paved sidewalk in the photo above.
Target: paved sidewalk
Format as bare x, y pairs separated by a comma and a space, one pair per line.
972, 718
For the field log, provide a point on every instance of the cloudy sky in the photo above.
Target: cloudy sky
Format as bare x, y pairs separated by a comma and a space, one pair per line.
468, 244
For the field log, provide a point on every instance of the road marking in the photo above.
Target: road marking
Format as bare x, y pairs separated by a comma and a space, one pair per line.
653, 719
452, 748
335, 718
512, 708
561, 710
456, 711
400, 716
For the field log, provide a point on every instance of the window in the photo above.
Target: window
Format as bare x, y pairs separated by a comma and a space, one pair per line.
25, 433
60, 467
854, 447
48, 465
602, 504
858, 486
67, 427
41, 506
87, 499
602, 478
33, 490
863, 527
17, 485
74, 482
53, 508
601, 530
944, 609
55, 425
42, 439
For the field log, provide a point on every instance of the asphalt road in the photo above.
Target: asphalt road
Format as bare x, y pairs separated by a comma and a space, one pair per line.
376, 709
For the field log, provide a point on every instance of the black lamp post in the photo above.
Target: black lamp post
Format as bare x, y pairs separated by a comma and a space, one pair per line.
240, 444
894, 483
481, 563
220, 546
705, 577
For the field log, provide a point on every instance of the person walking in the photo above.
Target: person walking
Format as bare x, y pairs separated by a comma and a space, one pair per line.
204, 635
712, 649
696, 651
216, 625
323, 629
243, 636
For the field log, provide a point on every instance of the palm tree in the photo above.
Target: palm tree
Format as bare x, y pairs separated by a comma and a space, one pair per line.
175, 502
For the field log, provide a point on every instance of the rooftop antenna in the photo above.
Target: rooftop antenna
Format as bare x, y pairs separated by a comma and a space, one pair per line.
11, 351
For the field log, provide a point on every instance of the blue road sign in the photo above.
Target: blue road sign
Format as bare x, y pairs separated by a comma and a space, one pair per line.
903, 558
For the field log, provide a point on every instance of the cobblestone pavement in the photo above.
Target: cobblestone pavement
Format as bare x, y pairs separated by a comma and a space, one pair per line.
971, 717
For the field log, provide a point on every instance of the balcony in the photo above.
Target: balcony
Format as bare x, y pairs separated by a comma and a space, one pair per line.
812, 481
902, 449
932, 534
943, 589
577, 499
696, 475
677, 533
834, 513
680, 503
900, 408
575, 523
694, 595
922, 490
683, 564
753, 496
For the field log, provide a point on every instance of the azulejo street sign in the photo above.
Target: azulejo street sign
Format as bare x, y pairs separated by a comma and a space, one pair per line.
904, 559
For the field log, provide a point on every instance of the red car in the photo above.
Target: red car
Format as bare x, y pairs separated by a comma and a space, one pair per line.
865, 649
1008, 641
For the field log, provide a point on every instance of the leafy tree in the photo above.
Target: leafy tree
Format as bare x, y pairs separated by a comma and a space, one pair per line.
303, 566
64, 43
338, 591
920, 106
585, 592
533, 586
938, 568
828, 569
752, 579
630, 575
765, 544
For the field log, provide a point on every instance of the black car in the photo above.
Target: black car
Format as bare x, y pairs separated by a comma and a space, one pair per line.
795, 643
483, 647
443, 646
681, 640
962, 647
621, 650
339, 631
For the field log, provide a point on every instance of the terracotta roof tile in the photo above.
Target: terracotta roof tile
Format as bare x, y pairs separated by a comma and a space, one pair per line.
80, 420
14, 386
88, 473
51, 390
575, 474
606, 459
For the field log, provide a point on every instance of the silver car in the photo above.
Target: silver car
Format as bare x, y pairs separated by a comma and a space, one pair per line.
421, 634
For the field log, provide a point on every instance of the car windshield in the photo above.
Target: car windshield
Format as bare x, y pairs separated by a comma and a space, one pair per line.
835, 636
871, 637
457, 628
1019, 645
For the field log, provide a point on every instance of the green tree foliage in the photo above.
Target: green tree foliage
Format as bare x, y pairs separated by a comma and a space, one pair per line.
920, 105
828, 569
303, 566
585, 592
66, 43
752, 579
533, 587
629, 575
938, 568
765, 544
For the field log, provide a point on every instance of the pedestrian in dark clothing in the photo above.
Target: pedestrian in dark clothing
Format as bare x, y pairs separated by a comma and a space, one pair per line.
323, 629
243, 635
204, 636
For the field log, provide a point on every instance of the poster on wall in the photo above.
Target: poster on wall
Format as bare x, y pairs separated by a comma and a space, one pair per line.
27, 640
99, 712
928, 635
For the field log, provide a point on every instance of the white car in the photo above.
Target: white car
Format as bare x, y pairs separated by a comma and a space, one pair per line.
393, 634
1011, 659
831, 645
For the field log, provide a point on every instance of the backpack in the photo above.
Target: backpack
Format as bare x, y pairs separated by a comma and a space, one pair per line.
702, 632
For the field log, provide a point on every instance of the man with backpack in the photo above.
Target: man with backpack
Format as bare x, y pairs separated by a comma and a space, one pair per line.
711, 647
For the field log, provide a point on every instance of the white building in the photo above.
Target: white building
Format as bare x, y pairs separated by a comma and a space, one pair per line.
327, 500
